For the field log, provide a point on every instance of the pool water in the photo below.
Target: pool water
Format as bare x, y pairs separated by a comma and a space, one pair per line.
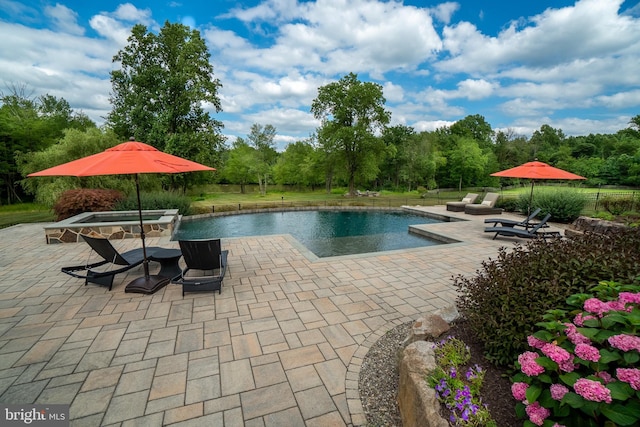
325, 233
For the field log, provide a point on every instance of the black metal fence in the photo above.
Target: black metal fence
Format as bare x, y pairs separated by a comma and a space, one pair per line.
428, 199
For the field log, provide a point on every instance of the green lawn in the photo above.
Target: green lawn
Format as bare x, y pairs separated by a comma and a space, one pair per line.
24, 213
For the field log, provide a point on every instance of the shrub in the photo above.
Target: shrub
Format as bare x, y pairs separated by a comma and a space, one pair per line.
74, 202
509, 204
617, 205
156, 200
511, 293
564, 204
583, 369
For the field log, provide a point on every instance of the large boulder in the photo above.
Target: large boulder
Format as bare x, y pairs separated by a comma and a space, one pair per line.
419, 406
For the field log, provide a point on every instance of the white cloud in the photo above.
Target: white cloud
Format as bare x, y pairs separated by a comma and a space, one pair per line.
64, 19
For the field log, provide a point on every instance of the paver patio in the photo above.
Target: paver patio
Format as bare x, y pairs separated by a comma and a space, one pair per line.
282, 345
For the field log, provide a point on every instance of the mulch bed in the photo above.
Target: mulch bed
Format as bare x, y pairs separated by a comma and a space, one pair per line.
496, 387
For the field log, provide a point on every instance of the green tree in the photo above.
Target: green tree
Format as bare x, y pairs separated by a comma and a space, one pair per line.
298, 165
262, 139
159, 92
475, 127
238, 167
352, 112
74, 145
467, 162
30, 124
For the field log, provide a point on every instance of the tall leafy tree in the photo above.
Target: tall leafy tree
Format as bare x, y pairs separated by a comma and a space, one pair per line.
262, 139
30, 124
352, 112
238, 167
160, 89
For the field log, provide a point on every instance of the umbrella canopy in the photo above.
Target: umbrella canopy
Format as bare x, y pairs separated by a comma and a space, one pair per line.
128, 158
537, 170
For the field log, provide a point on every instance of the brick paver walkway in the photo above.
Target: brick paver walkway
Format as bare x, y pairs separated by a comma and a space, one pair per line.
281, 346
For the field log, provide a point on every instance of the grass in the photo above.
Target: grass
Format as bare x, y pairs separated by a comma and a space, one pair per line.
22, 213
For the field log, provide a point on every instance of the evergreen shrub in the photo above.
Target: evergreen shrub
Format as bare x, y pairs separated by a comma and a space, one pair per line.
564, 204
509, 295
80, 200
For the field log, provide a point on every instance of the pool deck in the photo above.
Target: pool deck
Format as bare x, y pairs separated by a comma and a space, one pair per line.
281, 346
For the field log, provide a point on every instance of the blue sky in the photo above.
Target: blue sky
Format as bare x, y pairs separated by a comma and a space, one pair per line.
574, 65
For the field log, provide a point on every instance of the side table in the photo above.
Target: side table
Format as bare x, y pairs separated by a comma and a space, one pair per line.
168, 259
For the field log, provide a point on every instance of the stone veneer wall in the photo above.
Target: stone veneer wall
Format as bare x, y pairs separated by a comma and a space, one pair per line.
72, 235
70, 230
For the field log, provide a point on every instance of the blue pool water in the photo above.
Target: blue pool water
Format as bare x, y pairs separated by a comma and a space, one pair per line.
325, 233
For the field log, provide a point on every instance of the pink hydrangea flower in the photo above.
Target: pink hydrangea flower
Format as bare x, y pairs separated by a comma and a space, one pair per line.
625, 342
592, 390
537, 414
528, 364
535, 342
568, 366
629, 375
556, 353
574, 336
558, 391
558, 425
595, 306
519, 391
614, 306
587, 352
629, 297
605, 376
580, 318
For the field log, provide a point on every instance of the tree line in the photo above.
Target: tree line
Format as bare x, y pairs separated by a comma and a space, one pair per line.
164, 81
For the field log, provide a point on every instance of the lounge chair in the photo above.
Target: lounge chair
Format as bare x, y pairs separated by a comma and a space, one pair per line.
459, 206
104, 248
486, 207
524, 233
526, 223
206, 265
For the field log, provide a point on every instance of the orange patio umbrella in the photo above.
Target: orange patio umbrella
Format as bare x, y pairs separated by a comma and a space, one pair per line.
537, 170
128, 158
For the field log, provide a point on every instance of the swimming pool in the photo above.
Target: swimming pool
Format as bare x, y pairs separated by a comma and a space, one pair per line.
324, 232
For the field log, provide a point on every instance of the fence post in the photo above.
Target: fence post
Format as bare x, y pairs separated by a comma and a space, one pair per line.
595, 208
213, 209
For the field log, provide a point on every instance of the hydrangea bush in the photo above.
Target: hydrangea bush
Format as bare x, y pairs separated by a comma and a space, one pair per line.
583, 370
458, 386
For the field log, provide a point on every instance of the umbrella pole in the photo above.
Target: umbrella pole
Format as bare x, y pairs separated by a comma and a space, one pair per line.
530, 200
144, 248
148, 283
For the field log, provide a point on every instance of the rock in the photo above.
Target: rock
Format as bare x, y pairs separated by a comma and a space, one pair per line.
419, 406
449, 314
428, 326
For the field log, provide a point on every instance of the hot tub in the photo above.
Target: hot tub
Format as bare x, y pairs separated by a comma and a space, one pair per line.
113, 225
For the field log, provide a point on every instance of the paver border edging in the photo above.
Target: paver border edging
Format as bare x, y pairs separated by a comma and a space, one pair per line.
352, 389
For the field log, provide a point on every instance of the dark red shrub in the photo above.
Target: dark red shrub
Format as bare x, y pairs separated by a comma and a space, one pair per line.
74, 202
